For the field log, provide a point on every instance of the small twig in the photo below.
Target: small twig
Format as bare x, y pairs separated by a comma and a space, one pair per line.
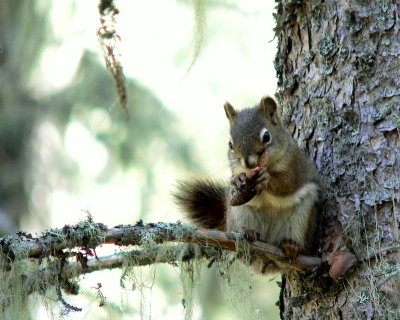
109, 40
68, 306
100, 295
382, 250
383, 281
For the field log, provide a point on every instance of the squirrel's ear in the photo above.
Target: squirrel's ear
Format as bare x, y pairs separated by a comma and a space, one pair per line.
268, 106
229, 111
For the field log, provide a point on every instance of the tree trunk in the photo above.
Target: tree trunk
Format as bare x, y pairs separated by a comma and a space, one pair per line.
338, 67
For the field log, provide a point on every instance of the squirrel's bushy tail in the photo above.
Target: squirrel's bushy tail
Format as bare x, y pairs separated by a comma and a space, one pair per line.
203, 202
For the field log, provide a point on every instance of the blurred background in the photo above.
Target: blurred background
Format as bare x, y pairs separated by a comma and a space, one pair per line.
66, 147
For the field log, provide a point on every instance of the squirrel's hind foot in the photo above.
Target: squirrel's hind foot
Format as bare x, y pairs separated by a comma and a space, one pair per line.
290, 248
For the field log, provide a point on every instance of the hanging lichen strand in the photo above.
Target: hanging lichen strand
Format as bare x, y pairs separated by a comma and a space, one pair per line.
47, 268
48, 276
109, 40
199, 35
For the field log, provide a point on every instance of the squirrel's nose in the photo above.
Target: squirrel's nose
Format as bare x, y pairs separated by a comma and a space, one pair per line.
251, 161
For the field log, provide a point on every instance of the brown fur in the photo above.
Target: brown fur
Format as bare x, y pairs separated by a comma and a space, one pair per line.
298, 170
284, 211
203, 202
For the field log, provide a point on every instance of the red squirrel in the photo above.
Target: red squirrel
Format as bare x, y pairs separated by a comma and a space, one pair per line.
274, 189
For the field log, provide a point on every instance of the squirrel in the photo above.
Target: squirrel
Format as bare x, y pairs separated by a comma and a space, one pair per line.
274, 191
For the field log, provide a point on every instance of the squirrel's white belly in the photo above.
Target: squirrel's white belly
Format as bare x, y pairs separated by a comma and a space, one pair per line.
276, 218
273, 227
268, 201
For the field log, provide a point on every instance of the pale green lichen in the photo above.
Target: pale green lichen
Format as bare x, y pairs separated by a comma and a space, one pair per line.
199, 32
189, 275
236, 281
27, 281
232, 269
30, 282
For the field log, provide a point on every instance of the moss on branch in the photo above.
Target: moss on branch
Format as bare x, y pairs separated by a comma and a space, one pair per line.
87, 235
44, 264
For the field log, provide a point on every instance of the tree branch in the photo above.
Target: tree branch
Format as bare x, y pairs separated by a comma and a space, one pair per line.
89, 235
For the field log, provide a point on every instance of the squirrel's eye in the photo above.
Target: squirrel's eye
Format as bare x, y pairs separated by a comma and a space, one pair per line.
230, 145
265, 136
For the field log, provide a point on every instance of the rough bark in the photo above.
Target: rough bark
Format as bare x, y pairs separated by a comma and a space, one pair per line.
338, 67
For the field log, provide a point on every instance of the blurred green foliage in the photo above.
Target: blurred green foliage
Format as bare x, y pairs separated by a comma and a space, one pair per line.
151, 134
24, 36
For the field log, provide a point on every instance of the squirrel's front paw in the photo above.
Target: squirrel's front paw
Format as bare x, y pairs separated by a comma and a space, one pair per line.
245, 186
241, 190
260, 180
250, 234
